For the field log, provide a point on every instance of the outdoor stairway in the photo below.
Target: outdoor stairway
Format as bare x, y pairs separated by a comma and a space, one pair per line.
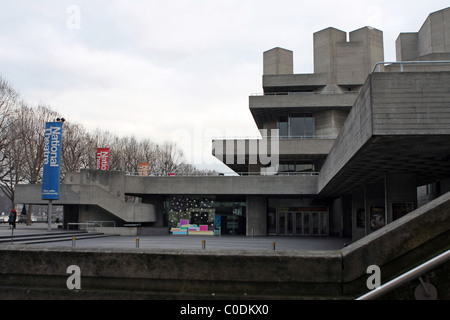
43, 237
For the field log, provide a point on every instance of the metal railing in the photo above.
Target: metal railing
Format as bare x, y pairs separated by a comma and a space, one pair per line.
414, 274
228, 174
402, 63
87, 224
289, 93
100, 224
304, 137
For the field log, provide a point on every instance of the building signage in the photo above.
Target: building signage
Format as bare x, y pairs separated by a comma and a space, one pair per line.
103, 159
52, 156
144, 169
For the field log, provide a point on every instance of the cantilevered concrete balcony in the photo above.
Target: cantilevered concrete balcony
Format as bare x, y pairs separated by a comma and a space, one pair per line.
399, 124
238, 154
313, 100
265, 108
294, 82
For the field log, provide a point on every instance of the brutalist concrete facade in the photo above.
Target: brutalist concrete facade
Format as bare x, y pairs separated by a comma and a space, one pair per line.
360, 145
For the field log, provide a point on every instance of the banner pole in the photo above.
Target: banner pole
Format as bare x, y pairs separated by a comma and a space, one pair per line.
49, 216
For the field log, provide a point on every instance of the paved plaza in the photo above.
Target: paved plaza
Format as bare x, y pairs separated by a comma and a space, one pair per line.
186, 242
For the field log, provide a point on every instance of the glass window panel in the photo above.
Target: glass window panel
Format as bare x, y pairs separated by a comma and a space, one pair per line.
309, 127
297, 126
283, 126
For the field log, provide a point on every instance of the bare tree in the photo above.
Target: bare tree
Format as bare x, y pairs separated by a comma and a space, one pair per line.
8, 104
75, 148
170, 158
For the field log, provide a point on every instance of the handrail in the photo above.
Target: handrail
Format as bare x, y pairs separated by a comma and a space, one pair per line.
100, 223
293, 93
226, 174
87, 224
304, 137
408, 276
401, 63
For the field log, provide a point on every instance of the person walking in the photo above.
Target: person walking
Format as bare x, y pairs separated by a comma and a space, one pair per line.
12, 218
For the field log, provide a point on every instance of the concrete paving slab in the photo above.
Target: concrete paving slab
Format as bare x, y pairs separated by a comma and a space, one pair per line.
186, 242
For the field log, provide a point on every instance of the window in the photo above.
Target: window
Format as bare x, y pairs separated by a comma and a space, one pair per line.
283, 126
296, 166
297, 125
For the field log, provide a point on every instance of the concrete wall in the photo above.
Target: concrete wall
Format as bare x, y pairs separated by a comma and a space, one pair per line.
38, 273
410, 103
330, 122
356, 131
256, 215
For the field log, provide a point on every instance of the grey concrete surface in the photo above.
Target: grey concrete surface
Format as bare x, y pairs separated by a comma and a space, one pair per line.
187, 242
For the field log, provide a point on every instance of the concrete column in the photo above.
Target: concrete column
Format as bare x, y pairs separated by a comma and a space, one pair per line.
358, 215
256, 215
158, 202
375, 206
401, 194
278, 61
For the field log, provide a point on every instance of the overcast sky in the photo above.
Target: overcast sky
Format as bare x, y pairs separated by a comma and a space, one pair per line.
177, 70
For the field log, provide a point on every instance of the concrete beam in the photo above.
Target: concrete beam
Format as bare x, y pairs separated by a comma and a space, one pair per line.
220, 185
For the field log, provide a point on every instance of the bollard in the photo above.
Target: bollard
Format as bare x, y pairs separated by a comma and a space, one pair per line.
274, 246
73, 242
203, 244
137, 242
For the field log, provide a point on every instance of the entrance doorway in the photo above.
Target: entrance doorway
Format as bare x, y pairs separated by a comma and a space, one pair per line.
302, 221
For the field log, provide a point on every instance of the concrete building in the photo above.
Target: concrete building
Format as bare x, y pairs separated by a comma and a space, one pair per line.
344, 151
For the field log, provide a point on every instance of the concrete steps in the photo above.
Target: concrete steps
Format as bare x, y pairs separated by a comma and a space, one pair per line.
43, 237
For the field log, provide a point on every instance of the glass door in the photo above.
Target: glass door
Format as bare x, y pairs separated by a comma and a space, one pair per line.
306, 223
315, 223
282, 223
290, 223
298, 223
301, 223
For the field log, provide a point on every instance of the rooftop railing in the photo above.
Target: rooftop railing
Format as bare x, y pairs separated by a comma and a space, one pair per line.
302, 93
226, 174
378, 65
305, 137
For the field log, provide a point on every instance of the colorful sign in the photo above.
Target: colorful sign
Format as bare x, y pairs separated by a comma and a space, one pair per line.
52, 156
144, 169
103, 159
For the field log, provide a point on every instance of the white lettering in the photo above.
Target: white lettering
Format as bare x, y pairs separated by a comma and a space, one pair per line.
374, 281
74, 281
74, 20
52, 146
191, 310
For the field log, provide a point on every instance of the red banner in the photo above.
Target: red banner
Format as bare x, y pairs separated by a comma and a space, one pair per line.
103, 159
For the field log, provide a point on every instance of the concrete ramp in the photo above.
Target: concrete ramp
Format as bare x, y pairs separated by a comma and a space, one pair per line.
93, 195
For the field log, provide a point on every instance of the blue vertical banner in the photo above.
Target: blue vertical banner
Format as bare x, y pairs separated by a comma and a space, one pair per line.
52, 156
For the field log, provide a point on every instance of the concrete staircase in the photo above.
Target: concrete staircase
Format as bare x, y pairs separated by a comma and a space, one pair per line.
43, 237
